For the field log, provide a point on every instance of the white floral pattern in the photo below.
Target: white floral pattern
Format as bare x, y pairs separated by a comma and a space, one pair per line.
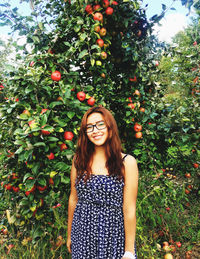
98, 223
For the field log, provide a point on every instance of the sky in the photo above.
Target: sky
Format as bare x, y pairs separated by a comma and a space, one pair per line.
173, 21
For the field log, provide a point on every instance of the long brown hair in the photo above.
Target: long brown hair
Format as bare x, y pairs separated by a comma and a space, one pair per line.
85, 148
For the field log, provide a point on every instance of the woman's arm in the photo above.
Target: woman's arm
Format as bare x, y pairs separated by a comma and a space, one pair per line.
129, 202
73, 198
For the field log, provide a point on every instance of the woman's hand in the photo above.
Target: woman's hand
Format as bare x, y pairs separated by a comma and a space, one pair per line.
69, 245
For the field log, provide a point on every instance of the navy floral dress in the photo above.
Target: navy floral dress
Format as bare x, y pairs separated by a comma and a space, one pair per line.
98, 223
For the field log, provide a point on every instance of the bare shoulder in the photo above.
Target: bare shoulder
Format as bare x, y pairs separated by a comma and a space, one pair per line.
130, 161
131, 168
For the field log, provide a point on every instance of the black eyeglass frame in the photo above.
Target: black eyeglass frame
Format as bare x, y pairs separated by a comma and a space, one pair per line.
95, 125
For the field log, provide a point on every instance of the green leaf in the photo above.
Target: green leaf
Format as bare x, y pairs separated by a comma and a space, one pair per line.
83, 36
19, 150
42, 181
62, 166
70, 114
92, 61
52, 139
65, 179
39, 144
26, 176
83, 53
54, 104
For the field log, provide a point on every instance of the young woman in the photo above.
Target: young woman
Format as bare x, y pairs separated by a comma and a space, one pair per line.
104, 183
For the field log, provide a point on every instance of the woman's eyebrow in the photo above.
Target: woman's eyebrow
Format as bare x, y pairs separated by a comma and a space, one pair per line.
95, 122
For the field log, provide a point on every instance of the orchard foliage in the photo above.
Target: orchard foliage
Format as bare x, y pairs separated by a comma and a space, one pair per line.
87, 53
48, 95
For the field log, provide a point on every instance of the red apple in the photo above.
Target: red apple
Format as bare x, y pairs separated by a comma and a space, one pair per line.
138, 134
51, 182
26, 112
15, 189
100, 42
63, 146
103, 75
103, 55
97, 28
187, 175
142, 109
114, 2
137, 92
168, 256
195, 43
51, 156
68, 135
131, 105
91, 101
81, 96
137, 127
172, 248
56, 76
88, 9
1, 87
187, 191
98, 17
156, 63
109, 11
178, 244
96, 7
134, 79
106, 3
195, 165
43, 111
42, 188
31, 63
45, 132
8, 187
102, 32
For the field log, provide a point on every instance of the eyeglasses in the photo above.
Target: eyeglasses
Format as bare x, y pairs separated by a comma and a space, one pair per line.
99, 125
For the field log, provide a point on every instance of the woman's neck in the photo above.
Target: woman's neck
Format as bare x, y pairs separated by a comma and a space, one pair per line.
100, 151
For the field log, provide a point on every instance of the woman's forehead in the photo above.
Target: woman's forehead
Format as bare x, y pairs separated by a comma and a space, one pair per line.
94, 117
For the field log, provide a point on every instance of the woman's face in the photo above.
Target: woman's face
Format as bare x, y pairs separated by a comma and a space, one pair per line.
96, 129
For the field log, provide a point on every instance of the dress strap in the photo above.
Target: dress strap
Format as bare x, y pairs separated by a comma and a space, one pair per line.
124, 157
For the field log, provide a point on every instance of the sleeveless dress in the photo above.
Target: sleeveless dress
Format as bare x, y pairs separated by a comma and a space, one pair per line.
98, 222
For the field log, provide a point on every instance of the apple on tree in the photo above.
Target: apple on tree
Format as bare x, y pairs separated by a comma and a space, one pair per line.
102, 32
134, 79
81, 96
56, 76
45, 132
98, 17
43, 111
51, 156
109, 11
96, 7
98, 63
100, 42
91, 101
138, 134
89, 9
103, 55
114, 3
32, 124
106, 3
27, 113
63, 146
137, 127
97, 28
68, 135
